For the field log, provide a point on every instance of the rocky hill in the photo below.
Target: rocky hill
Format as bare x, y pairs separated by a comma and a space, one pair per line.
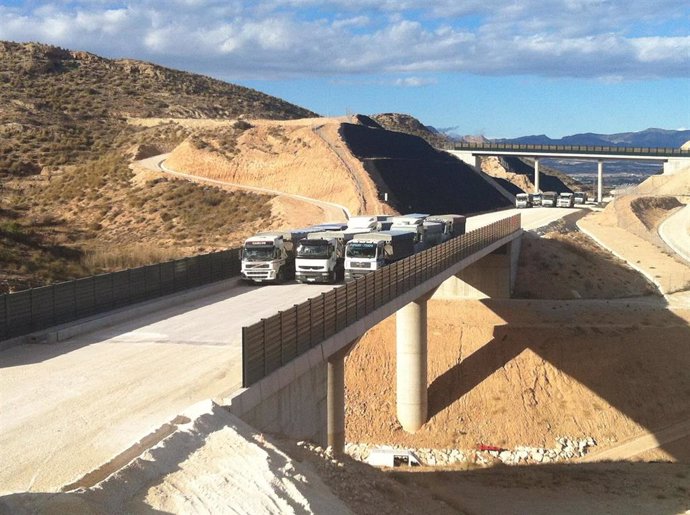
59, 106
411, 125
70, 206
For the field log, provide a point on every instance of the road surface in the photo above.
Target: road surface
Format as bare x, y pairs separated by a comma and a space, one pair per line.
68, 408
675, 231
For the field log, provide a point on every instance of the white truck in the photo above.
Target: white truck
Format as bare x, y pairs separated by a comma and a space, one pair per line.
270, 257
548, 199
365, 253
565, 200
368, 223
427, 233
321, 257
522, 200
453, 225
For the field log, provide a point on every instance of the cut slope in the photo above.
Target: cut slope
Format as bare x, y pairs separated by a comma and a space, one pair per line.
416, 176
303, 157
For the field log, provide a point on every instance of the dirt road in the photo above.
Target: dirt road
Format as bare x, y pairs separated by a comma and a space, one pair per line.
333, 211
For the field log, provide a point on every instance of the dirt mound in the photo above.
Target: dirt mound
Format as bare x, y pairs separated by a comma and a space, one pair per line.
367, 121
416, 176
640, 216
677, 185
411, 125
497, 168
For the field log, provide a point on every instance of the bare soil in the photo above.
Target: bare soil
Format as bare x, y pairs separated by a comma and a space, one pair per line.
524, 372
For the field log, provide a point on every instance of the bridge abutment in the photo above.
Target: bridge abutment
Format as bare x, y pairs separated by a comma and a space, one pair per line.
492, 276
536, 175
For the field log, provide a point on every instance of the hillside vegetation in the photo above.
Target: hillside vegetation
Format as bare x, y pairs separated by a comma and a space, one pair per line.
70, 205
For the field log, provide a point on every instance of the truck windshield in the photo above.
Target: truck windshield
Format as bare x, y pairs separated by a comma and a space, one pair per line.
361, 250
258, 253
313, 250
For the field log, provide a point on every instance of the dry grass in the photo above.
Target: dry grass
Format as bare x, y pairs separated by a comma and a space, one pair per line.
120, 258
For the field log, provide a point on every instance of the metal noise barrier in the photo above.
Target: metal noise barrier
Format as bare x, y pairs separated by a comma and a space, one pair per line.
273, 342
31, 310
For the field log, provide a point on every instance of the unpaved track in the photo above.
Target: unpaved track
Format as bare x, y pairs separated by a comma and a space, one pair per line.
157, 163
640, 444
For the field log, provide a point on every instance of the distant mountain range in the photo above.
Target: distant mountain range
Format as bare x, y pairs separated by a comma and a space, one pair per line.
645, 138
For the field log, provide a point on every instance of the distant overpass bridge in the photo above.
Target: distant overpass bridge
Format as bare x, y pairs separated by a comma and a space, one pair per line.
673, 159
293, 362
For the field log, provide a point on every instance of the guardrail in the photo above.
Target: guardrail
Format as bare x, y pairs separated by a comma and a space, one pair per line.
574, 149
273, 342
31, 310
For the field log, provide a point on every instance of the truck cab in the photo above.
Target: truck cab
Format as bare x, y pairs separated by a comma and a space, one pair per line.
270, 257
579, 197
535, 199
565, 200
548, 199
453, 225
320, 257
368, 252
265, 258
522, 200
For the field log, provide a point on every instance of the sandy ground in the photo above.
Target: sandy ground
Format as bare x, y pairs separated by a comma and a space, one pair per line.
211, 462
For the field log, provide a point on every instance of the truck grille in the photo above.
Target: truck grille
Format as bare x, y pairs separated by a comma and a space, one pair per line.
360, 264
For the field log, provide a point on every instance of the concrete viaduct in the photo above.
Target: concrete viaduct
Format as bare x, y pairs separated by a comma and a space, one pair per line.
303, 396
672, 159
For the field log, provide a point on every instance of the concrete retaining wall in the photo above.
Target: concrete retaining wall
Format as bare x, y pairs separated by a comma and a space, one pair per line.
289, 402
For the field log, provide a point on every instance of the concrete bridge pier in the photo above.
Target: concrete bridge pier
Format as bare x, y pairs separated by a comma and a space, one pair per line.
600, 179
536, 175
335, 399
411, 364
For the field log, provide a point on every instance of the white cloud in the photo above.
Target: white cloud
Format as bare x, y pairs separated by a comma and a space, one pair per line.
603, 39
415, 82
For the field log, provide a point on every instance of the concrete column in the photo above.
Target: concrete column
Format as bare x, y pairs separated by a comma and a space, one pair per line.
411, 364
600, 179
536, 175
335, 400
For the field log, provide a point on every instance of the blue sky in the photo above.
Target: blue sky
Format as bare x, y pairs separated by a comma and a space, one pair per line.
502, 68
